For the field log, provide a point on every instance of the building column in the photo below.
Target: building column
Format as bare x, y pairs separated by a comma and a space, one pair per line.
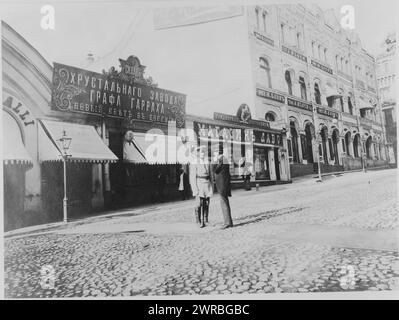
340, 150
300, 151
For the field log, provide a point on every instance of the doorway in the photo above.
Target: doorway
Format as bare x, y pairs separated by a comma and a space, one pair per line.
277, 164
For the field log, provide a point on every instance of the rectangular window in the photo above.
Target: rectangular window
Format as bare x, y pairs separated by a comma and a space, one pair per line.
343, 145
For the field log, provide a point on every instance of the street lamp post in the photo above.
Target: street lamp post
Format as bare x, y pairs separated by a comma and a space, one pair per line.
65, 144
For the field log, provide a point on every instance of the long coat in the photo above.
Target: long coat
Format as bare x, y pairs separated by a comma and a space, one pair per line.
222, 177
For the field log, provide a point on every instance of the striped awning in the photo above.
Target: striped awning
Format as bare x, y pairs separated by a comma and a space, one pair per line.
14, 151
86, 144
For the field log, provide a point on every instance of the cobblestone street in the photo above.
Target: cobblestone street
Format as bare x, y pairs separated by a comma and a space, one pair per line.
339, 235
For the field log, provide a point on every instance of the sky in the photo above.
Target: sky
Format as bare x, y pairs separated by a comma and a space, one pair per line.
202, 61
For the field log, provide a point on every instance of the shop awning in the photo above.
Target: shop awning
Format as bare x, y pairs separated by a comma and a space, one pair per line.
365, 105
14, 151
331, 92
155, 149
86, 144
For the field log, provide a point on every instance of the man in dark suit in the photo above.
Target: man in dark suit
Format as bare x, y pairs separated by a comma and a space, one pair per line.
222, 181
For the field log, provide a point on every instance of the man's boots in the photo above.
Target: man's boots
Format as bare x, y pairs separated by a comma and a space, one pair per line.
202, 212
198, 215
206, 209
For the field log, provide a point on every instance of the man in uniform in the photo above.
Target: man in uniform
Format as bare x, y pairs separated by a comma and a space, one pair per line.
201, 181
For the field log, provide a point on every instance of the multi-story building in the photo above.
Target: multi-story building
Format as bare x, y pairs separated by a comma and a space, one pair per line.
314, 78
386, 85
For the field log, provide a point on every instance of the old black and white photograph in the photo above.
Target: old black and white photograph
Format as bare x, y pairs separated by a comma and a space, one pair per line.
208, 149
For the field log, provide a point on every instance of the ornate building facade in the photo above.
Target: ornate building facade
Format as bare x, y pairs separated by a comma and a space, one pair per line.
386, 85
314, 79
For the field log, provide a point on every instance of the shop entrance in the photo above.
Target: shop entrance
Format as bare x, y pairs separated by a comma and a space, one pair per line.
116, 170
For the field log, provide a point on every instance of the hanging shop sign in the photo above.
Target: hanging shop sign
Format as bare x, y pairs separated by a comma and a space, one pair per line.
294, 54
321, 67
124, 94
264, 137
270, 95
238, 120
299, 104
327, 113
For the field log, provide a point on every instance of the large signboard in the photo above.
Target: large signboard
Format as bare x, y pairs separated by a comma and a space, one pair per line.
82, 91
270, 138
327, 113
236, 120
207, 130
165, 18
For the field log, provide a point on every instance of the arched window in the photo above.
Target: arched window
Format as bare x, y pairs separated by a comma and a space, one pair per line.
270, 116
264, 66
288, 81
303, 88
317, 95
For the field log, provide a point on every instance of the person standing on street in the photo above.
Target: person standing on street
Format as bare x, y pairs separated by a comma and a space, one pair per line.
223, 185
201, 181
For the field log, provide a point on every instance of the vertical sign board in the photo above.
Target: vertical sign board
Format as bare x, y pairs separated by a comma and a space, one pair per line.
82, 91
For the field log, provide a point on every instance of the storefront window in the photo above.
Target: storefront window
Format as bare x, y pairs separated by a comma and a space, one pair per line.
261, 164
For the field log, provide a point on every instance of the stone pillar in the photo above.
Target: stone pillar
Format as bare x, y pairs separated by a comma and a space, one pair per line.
300, 152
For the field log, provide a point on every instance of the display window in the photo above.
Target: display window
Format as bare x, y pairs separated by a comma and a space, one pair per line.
261, 164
